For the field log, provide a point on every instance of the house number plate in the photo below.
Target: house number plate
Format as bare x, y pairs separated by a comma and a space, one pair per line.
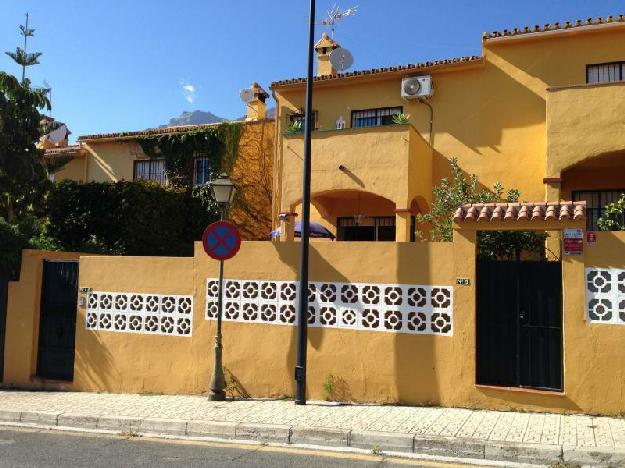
463, 281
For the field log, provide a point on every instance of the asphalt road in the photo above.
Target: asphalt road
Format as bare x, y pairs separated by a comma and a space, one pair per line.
39, 448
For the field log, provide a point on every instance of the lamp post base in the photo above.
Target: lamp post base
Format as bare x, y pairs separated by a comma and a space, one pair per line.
217, 396
217, 385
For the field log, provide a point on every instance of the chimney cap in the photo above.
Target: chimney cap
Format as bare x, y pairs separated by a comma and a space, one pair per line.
259, 92
326, 42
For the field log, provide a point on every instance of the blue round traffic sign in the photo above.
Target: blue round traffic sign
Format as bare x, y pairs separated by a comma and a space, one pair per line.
221, 240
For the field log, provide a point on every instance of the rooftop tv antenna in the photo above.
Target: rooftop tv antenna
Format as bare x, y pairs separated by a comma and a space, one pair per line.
335, 15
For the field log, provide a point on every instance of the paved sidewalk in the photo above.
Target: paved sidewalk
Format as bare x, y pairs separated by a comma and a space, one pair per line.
525, 437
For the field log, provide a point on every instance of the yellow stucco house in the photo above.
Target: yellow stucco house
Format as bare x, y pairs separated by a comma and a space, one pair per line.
541, 110
112, 157
399, 322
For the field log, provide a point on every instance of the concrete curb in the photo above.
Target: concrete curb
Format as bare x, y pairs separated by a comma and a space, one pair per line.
321, 437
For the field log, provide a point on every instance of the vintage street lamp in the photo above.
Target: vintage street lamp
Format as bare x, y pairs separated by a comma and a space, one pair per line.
223, 191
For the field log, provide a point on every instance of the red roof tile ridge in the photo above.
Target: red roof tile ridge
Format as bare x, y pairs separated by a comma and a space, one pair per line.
374, 71
520, 211
553, 27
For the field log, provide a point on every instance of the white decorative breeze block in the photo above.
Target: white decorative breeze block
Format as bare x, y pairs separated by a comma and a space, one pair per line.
415, 309
605, 295
157, 314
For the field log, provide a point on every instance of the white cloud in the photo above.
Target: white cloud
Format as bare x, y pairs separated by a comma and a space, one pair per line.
188, 90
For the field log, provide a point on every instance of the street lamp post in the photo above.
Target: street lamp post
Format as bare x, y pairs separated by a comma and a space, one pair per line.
302, 328
223, 191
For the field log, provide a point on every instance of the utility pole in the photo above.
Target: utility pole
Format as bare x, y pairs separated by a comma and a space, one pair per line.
302, 328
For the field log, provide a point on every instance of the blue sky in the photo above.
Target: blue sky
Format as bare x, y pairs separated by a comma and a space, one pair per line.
120, 65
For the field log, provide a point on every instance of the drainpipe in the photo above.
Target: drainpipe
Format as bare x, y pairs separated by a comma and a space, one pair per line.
423, 101
275, 159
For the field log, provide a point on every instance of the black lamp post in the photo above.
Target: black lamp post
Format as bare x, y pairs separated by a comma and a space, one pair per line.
302, 329
223, 191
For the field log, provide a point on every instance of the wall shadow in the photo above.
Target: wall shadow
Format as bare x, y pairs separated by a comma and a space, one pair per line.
319, 270
415, 360
93, 364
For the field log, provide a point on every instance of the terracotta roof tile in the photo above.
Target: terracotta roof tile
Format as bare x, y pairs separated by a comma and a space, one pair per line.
508, 212
66, 150
156, 131
553, 27
146, 132
413, 67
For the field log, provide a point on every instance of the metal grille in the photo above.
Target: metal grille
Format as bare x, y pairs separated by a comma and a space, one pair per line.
150, 169
596, 201
374, 117
605, 72
57, 325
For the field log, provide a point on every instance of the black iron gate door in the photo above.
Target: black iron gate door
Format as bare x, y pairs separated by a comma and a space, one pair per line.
4, 294
519, 324
57, 326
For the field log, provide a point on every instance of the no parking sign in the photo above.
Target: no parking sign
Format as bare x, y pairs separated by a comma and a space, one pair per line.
221, 240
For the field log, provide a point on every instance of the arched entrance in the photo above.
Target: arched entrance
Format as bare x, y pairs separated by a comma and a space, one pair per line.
354, 215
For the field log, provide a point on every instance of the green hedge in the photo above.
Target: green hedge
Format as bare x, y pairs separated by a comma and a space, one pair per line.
127, 218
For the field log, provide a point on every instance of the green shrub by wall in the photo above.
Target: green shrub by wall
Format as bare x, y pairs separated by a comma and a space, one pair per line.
127, 218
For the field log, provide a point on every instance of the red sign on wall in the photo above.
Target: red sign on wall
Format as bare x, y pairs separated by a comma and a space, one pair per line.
591, 237
573, 241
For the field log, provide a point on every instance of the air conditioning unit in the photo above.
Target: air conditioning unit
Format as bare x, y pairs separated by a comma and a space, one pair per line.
417, 87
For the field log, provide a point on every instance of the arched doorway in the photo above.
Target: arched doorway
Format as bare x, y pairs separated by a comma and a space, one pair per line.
354, 215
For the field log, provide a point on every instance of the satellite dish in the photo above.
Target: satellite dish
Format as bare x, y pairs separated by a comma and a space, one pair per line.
246, 95
341, 59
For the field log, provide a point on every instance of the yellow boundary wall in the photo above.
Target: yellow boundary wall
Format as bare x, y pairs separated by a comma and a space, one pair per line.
367, 365
22, 322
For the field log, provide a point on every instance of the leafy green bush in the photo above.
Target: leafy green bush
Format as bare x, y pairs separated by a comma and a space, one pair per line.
29, 233
128, 218
612, 218
452, 192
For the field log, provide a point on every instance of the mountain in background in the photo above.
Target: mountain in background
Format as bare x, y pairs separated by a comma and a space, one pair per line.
198, 117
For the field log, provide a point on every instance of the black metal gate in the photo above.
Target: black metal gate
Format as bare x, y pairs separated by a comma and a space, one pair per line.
57, 326
4, 295
519, 324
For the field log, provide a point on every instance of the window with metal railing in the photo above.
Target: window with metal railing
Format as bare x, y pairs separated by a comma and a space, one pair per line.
150, 169
605, 72
596, 201
375, 117
300, 118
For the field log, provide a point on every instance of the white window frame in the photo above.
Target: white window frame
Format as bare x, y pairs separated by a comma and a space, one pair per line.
196, 179
156, 173
610, 72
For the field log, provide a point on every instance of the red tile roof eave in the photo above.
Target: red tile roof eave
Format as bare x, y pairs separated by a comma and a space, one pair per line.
153, 132
68, 150
397, 70
521, 211
557, 27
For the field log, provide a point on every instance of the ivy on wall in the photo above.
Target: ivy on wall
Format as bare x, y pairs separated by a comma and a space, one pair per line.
219, 143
